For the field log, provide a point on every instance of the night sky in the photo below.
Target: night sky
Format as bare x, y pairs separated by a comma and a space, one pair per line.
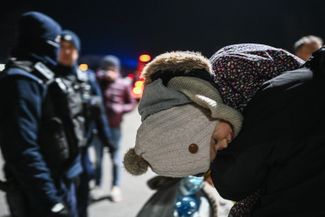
128, 28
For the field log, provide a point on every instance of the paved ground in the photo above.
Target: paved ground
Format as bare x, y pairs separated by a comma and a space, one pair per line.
137, 191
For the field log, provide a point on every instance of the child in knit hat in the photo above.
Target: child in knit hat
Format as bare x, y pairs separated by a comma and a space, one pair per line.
191, 108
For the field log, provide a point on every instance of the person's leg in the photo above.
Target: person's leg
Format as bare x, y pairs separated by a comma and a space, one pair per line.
70, 197
17, 204
116, 157
99, 152
83, 195
83, 187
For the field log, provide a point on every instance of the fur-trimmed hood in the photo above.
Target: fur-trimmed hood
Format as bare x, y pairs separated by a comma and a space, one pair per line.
176, 61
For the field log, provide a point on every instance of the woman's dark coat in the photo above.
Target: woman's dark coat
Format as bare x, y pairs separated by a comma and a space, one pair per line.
281, 148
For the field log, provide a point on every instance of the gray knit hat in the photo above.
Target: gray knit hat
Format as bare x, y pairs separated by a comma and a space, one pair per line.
109, 61
178, 118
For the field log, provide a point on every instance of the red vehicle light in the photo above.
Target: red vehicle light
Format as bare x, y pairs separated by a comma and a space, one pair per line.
138, 88
145, 58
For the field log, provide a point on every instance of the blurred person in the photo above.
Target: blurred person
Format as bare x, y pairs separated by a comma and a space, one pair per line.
118, 101
307, 45
93, 110
41, 160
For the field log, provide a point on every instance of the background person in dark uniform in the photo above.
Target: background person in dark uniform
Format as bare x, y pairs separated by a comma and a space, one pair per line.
36, 186
96, 120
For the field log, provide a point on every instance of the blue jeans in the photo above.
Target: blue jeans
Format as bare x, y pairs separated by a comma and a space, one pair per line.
116, 157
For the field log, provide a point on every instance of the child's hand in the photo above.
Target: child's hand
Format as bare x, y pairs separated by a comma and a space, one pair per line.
222, 136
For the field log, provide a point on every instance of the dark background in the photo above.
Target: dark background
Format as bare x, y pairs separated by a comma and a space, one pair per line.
128, 28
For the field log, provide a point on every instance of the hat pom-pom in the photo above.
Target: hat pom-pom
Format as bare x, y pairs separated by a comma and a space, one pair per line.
134, 163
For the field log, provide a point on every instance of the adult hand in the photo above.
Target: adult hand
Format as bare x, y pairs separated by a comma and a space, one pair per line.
221, 137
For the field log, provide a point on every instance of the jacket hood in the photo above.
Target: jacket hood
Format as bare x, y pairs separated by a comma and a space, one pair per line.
174, 62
